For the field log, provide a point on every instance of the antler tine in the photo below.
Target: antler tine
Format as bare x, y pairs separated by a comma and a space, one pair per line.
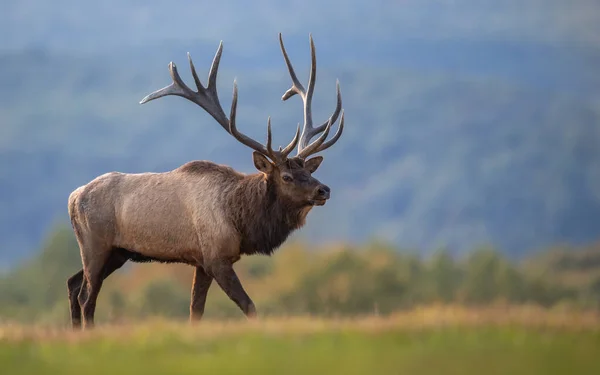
177, 87
269, 136
214, 69
331, 142
308, 131
286, 151
241, 137
312, 148
311, 88
205, 97
281, 153
297, 87
336, 112
194, 74
276, 156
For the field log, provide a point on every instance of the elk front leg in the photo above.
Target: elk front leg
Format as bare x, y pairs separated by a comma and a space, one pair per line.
200, 286
223, 273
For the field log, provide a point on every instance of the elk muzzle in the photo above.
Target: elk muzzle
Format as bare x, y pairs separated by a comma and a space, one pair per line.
321, 195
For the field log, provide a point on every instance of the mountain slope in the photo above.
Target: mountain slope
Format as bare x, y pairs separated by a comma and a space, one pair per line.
428, 160
467, 121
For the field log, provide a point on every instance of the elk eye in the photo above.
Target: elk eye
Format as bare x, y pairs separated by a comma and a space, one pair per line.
287, 178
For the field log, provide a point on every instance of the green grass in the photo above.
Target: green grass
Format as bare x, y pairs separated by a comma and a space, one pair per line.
305, 347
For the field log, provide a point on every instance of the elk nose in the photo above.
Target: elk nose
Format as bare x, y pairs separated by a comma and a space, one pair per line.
324, 191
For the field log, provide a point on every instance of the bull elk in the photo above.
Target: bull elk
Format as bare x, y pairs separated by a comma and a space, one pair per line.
202, 214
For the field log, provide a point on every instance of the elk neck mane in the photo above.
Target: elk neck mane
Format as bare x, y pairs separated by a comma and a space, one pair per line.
263, 218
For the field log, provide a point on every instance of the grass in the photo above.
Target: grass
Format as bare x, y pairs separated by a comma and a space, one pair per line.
426, 341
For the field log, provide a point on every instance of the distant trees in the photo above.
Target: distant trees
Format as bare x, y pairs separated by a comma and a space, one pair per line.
34, 287
444, 278
336, 280
164, 297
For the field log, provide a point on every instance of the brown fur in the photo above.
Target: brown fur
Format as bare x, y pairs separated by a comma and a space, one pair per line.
202, 214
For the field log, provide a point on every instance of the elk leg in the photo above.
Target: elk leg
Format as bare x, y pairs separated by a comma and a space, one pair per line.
223, 273
88, 296
73, 288
200, 287
75, 284
95, 270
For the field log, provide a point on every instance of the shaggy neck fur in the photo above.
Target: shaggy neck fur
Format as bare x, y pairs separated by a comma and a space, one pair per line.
262, 217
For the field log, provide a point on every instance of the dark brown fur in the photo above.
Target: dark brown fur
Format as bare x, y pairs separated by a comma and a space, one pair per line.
262, 217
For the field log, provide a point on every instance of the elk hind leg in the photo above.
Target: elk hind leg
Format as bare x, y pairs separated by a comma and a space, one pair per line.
73, 288
94, 262
76, 285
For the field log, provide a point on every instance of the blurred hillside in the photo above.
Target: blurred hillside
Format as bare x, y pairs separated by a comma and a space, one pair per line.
468, 122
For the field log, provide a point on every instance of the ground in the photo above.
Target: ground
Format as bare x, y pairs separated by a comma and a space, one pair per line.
423, 341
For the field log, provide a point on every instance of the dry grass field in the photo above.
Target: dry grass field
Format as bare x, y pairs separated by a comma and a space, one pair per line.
435, 340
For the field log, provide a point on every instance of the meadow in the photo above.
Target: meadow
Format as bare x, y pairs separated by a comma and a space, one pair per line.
432, 340
339, 309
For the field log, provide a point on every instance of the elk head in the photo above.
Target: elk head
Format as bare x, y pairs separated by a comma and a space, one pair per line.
290, 177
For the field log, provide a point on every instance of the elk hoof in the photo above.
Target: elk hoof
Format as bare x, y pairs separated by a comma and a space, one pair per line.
251, 312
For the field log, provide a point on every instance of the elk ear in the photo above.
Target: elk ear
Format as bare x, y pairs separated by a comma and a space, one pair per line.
313, 164
262, 163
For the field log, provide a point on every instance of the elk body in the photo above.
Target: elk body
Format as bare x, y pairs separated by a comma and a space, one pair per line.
201, 214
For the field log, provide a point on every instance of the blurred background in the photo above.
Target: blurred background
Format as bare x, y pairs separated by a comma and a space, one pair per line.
468, 171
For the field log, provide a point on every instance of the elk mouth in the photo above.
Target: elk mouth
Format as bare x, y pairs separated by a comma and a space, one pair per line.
318, 202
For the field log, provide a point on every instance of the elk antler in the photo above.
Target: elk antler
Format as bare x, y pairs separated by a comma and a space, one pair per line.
308, 131
208, 99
